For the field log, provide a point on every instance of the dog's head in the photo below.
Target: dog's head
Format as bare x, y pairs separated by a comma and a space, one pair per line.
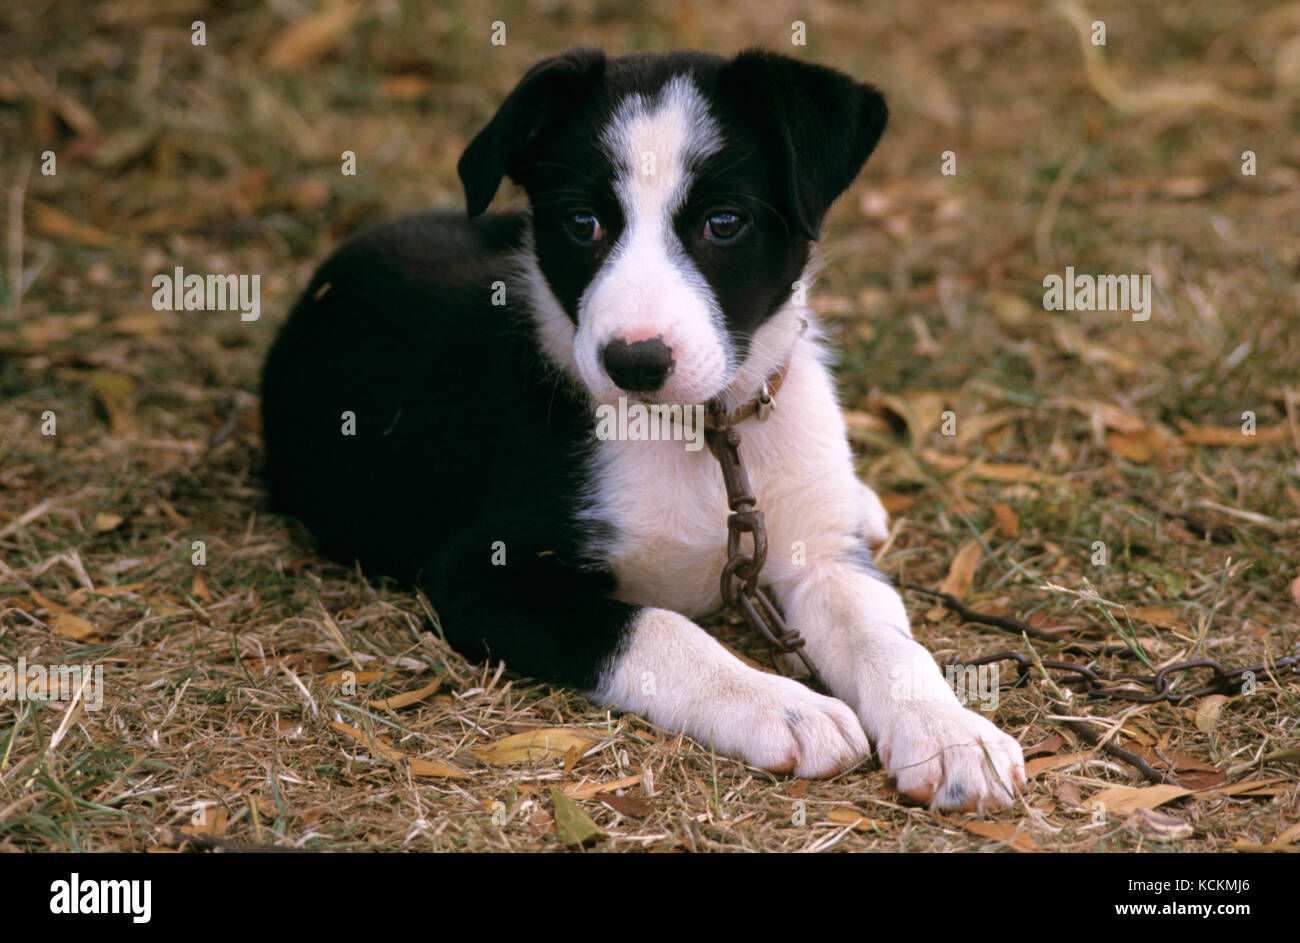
675, 199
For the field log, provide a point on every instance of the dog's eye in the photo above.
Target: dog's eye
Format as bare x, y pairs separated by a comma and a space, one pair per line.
724, 227
584, 229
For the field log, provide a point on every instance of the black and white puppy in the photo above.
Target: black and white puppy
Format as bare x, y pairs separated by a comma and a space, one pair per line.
430, 409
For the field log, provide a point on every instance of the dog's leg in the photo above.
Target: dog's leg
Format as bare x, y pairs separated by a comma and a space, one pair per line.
677, 675
559, 623
858, 636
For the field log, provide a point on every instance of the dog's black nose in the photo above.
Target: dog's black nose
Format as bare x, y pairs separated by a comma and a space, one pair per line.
638, 368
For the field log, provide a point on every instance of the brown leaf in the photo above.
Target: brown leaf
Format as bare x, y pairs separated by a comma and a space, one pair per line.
1232, 435
1128, 798
199, 588
1047, 763
1008, 522
633, 806
534, 745
63, 620
360, 677
106, 522
307, 40
845, 816
798, 789
53, 223
1068, 793
1295, 590
410, 697
1049, 744
417, 765
961, 575
1207, 712
1163, 616
588, 790
1000, 832
920, 412
211, 821
1292, 834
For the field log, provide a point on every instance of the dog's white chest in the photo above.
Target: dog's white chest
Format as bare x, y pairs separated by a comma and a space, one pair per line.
669, 514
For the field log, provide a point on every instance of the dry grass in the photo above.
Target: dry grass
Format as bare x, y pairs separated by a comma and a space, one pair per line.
219, 692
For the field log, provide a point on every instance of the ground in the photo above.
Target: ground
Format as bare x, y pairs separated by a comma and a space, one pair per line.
1108, 479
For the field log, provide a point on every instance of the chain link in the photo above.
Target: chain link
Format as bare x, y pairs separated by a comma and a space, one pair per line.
740, 576
1224, 680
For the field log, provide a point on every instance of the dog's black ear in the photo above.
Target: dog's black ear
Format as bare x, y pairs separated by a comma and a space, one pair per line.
822, 124
545, 92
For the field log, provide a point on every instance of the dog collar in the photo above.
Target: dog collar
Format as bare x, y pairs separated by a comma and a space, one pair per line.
760, 404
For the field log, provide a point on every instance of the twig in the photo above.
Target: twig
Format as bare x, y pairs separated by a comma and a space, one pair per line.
176, 838
1008, 624
1148, 772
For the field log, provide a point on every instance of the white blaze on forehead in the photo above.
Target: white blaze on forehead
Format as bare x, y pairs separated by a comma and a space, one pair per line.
648, 287
656, 143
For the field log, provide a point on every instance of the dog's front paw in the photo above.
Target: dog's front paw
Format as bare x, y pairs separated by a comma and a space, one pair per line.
952, 758
779, 725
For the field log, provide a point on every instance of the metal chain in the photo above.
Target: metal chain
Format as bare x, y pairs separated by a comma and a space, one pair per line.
1224, 680
740, 589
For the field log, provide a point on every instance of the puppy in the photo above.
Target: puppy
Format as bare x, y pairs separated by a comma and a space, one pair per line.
430, 409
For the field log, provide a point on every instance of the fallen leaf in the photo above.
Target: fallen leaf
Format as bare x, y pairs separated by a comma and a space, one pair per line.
53, 223
360, 677
1008, 522
548, 742
410, 697
422, 767
1110, 416
572, 825
1207, 712
417, 765
211, 821
1295, 590
112, 389
961, 575
199, 588
860, 823
1068, 793
1139, 447
1231, 435
798, 789
588, 790
106, 522
1047, 763
1240, 844
1128, 798
1292, 834
635, 806
1000, 832
1049, 744
63, 620
1163, 616
307, 40
919, 411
